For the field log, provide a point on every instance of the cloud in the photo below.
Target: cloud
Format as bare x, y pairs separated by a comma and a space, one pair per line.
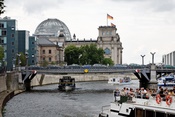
153, 5
39, 6
35, 6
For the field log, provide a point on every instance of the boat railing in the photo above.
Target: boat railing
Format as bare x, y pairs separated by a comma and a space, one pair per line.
105, 108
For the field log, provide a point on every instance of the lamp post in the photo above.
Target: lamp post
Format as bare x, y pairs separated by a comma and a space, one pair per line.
18, 55
152, 53
14, 63
27, 60
142, 59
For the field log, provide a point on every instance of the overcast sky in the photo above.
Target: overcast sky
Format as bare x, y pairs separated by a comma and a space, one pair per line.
144, 26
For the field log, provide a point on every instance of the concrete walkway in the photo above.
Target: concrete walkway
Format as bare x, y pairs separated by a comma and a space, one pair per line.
5, 96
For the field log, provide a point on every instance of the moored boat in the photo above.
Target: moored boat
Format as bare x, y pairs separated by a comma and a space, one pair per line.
168, 80
120, 80
66, 83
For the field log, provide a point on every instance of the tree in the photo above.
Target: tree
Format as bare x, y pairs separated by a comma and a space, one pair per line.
21, 59
1, 53
2, 6
45, 63
91, 54
72, 54
107, 61
87, 54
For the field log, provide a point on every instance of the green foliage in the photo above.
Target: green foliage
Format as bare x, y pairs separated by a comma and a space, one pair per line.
45, 63
21, 60
1, 53
53, 63
87, 54
2, 6
72, 54
107, 61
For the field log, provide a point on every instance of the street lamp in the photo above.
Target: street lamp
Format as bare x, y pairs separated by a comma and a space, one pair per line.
18, 55
14, 63
152, 53
142, 59
27, 60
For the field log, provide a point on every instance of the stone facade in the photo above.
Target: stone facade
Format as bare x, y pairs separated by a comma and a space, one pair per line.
109, 40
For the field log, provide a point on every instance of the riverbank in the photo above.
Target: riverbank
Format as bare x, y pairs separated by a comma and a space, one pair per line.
5, 96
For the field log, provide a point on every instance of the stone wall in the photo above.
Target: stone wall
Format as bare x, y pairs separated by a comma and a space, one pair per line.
9, 81
3, 86
43, 79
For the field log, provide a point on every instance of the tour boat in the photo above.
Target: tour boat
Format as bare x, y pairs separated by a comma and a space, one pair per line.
168, 80
137, 107
120, 80
66, 83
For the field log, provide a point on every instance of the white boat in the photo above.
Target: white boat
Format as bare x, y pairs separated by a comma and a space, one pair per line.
120, 80
137, 107
166, 81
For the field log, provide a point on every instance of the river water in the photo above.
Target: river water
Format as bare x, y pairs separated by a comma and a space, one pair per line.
46, 101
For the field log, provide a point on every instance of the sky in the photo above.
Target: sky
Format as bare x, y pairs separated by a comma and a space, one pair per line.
144, 26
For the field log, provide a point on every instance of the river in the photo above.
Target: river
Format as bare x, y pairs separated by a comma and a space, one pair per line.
46, 101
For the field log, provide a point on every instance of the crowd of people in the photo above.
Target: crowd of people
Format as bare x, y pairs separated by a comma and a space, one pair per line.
144, 93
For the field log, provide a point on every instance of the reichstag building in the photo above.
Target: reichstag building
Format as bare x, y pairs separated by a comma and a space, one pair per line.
53, 36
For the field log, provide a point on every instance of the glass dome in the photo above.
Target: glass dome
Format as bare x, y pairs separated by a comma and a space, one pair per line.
52, 27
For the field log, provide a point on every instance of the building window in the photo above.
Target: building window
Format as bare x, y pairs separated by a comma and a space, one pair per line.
107, 51
1, 41
103, 33
13, 28
12, 50
4, 33
33, 61
1, 25
50, 59
33, 42
50, 51
110, 32
13, 35
44, 59
12, 43
33, 55
44, 52
33, 48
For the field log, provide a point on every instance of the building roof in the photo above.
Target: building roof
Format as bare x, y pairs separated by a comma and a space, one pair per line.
44, 41
52, 27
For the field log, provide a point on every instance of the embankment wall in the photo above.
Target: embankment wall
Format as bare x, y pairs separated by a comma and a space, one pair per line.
43, 79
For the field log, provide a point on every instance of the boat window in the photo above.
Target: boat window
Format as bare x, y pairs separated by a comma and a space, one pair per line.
160, 114
150, 113
170, 115
139, 113
127, 110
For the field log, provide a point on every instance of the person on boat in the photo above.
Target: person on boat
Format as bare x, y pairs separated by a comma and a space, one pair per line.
116, 93
149, 93
143, 92
159, 89
131, 93
174, 89
122, 93
137, 93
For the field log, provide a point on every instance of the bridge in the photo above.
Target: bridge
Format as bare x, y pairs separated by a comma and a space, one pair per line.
146, 76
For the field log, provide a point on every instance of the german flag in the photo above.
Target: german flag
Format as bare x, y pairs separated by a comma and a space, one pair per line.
109, 17
112, 24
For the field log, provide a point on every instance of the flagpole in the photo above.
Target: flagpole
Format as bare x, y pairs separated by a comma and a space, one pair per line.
107, 20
